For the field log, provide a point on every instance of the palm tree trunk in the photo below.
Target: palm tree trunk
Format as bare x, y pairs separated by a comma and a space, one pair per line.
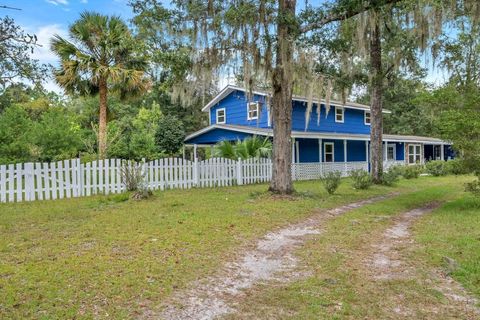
282, 83
376, 109
102, 125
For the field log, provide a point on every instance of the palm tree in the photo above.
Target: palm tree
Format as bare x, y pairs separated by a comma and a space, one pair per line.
101, 56
253, 147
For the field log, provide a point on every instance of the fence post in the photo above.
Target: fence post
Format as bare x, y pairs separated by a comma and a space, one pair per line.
195, 172
29, 182
239, 172
80, 178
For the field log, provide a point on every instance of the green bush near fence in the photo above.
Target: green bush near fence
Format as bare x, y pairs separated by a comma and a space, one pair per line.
361, 179
331, 181
436, 168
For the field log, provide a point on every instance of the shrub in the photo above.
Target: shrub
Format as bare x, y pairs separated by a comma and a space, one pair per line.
473, 187
411, 172
436, 168
455, 166
361, 179
391, 176
331, 181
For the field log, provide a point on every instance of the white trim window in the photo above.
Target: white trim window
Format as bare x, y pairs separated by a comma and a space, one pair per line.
328, 152
339, 114
367, 117
221, 116
414, 153
252, 110
391, 152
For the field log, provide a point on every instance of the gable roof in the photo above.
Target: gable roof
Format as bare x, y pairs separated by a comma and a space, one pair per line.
230, 88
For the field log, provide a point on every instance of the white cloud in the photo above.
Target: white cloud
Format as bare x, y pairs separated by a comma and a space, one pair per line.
44, 35
57, 2
84, 1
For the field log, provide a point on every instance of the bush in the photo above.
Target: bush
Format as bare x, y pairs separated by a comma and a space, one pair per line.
411, 172
436, 168
473, 187
391, 176
331, 181
361, 179
456, 167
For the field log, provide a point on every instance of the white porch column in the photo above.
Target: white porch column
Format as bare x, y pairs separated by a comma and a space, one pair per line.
345, 150
293, 150
320, 150
422, 158
297, 153
442, 149
385, 151
367, 158
194, 152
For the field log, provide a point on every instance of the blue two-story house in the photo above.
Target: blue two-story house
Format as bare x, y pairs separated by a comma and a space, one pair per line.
341, 135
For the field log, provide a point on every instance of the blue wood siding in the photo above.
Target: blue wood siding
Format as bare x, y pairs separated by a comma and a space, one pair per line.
235, 105
353, 120
356, 151
217, 135
308, 150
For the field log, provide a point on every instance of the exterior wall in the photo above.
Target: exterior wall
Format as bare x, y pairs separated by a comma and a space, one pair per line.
353, 120
308, 150
217, 135
235, 105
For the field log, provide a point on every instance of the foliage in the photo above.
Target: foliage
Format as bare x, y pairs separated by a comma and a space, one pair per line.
56, 135
170, 134
361, 179
101, 56
251, 147
16, 63
455, 166
331, 181
412, 171
132, 175
16, 136
436, 168
473, 187
391, 176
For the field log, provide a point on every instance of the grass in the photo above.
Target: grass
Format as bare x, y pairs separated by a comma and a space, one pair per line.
104, 255
107, 256
340, 286
453, 232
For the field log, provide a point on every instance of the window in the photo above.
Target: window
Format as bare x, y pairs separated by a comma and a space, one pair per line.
252, 111
368, 118
339, 113
328, 155
221, 116
391, 152
414, 153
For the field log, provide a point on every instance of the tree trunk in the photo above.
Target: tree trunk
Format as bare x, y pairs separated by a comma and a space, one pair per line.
102, 125
376, 129
282, 83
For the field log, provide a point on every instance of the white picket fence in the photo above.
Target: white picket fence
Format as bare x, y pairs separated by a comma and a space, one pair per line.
71, 178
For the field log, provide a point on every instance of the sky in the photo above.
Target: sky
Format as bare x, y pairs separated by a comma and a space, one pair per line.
48, 17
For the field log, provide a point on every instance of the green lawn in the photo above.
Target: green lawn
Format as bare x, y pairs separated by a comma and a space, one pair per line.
340, 287
107, 257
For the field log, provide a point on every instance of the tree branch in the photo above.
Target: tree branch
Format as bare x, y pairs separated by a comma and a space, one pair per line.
334, 16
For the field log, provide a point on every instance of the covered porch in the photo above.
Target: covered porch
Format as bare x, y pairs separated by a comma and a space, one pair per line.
336, 149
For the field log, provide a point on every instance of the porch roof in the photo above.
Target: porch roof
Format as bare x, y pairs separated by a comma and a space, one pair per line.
311, 135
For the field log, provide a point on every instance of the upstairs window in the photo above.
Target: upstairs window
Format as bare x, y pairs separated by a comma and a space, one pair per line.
252, 111
368, 118
221, 118
339, 114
